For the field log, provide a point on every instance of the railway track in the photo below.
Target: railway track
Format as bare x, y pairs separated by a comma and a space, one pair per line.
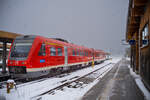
22, 81
19, 81
77, 79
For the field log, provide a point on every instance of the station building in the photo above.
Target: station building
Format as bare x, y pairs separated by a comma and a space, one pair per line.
138, 36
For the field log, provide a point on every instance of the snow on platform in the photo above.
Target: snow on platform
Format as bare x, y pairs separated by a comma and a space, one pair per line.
140, 84
118, 84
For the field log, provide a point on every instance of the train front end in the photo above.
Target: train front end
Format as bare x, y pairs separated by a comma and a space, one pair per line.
19, 55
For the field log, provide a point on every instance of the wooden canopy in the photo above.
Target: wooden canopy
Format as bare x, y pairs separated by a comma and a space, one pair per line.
8, 36
135, 11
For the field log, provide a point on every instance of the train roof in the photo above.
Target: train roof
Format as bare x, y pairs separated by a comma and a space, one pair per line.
57, 40
63, 42
60, 39
26, 37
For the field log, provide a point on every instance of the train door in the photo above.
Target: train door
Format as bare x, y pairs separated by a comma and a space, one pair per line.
66, 55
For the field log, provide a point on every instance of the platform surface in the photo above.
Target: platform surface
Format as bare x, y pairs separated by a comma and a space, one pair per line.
118, 84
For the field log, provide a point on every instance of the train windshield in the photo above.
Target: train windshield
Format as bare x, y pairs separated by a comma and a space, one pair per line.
20, 50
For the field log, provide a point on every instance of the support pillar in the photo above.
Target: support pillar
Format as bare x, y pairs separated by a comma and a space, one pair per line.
4, 57
137, 52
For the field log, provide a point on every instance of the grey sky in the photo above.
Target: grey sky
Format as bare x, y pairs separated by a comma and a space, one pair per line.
99, 24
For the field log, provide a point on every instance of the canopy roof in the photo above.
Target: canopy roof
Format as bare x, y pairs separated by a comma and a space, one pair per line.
8, 36
135, 12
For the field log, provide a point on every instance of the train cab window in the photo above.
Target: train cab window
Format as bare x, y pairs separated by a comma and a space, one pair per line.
42, 50
52, 51
59, 51
73, 52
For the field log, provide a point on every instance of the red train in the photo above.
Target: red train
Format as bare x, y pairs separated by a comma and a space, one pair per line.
33, 56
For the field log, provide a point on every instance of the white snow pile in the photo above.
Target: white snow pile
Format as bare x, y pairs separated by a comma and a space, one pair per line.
127, 58
140, 84
1, 61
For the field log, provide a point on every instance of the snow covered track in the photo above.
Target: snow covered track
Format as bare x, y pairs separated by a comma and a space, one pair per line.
68, 86
78, 81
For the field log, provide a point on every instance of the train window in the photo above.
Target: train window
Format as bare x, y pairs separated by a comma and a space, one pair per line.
89, 53
59, 51
73, 52
52, 51
80, 52
42, 50
100, 55
77, 52
86, 53
96, 54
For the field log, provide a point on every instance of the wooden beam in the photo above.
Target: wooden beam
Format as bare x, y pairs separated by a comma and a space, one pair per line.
134, 20
134, 25
137, 11
140, 2
133, 28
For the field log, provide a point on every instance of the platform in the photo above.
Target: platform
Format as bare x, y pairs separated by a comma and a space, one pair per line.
118, 84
